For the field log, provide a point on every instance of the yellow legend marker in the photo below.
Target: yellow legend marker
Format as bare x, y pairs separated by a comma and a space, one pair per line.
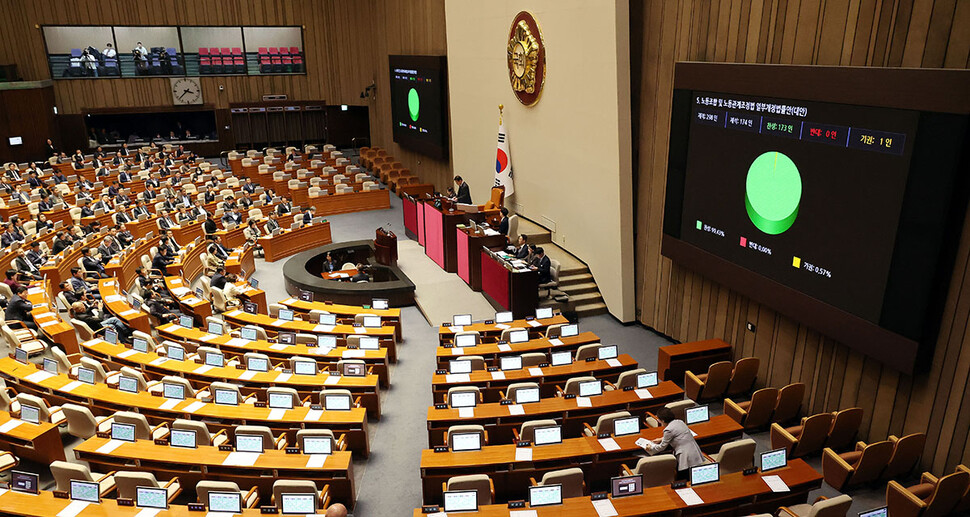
796, 262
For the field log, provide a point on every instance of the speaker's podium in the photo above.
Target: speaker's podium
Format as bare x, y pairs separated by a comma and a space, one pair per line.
508, 284
385, 247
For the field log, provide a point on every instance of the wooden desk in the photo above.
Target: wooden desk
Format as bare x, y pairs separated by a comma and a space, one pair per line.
102, 400
385, 334
207, 463
48, 319
469, 245
389, 316
356, 202
232, 238
491, 383
188, 265
494, 351
734, 494
117, 304
516, 291
376, 359
290, 242
674, 360
511, 477
499, 422
123, 265
340, 274
188, 301
490, 332
139, 229
240, 260
35, 442
200, 376
186, 233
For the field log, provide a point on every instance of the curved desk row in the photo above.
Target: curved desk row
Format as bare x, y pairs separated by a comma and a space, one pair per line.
492, 331
492, 352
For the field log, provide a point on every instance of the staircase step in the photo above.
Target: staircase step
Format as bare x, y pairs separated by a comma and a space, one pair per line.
577, 289
591, 309
585, 297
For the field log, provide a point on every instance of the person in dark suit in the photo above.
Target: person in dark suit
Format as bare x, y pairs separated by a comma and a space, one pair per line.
463, 196
329, 264
80, 285
503, 225
50, 148
218, 278
91, 265
285, 206
249, 187
209, 226
308, 214
35, 255
33, 180
271, 224
521, 249
217, 250
543, 266
59, 177
25, 267
19, 309
162, 260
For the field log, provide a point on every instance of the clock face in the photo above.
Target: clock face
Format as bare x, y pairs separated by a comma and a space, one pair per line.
186, 90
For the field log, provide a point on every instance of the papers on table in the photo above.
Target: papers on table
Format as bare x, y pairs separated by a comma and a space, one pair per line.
112, 298
38, 376
283, 377
614, 362
316, 461
609, 444
236, 312
277, 414
48, 323
535, 372
278, 323
236, 341
692, 433
534, 323
278, 346
73, 509
42, 315
323, 328
504, 348
604, 508
313, 415
71, 386
775, 483
457, 377
502, 326
555, 341
643, 393
248, 374
498, 375
159, 361
208, 337
180, 291
193, 407
360, 330
351, 354
516, 409
109, 446
169, 404
466, 412
331, 380
490, 232
127, 353
7, 426
642, 443
689, 496
241, 459
456, 328
148, 512
202, 369
584, 402
457, 351
523, 454
523, 513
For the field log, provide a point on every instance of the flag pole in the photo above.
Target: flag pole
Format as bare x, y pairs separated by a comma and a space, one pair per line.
500, 107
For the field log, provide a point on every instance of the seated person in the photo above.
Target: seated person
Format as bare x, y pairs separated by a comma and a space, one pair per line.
18, 308
232, 290
216, 250
329, 264
80, 285
161, 261
218, 279
159, 309
25, 268
543, 265
95, 319
13, 279
521, 249
91, 265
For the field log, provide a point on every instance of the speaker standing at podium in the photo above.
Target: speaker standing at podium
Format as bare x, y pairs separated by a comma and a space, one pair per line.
464, 196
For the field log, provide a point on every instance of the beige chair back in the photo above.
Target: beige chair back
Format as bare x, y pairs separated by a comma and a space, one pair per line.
127, 481
80, 422
527, 432
516, 386
659, 470
906, 454
478, 482
789, 403
736, 456
202, 435
202, 489
44, 413
832, 507
572, 481
533, 359
65, 472
604, 424
572, 385
744, 374
143, 431
269, 441
465, 429
629, 378
716, 383
587, 351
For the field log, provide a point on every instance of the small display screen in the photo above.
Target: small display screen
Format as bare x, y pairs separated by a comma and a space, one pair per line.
775, 459
526, 395
30, 414
626, 485
647, 380
460, 320
878, 512
280, 401
128, 384
111, 335
304, 367
123, 432
336, 402
173, 391
543, 313
186, 321
518, 336
287, 338
85, 375
328, 319
379, 304
24, 482
369, 343
464, 399
176, 353
215, 328
590, 388
214, 359
20, 354
562, 358
87, 491
625, 426
466, 442
460, 366
182, 438
354, 370
226, 397
511, 363
503, 317
139, 344
249, 443
606, 352
697, 415
298, 504
228, 502
461, 501
327, 341
548, 435
257, 364
569, 330
148, 497
248, 333
545, 495
465, 340
702, 474
286, 315
317, 445
372, 321
50, 366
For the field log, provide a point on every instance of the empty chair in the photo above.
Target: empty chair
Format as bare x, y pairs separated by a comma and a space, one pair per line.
65, 472
789, 403
64, 365
514, 387
250, 499
82, 423
679, 409
284, 391
526, 431
906, 454
802, 440
46, 413
7, 461
755, 413
274, 309
478, 336
572, 385
202, 435
477, 361
301, 486
31, 346
863, 465
339, 443
172, 379
270, 442
735, 456
629, 378
586, 351
465, 429
463, 389
709, 386
143, 431
932, 497
127, 481
8, 398
554, 331
572, 481
656, 470
845, 427
604, 424
743, 376
210, 393
480, 483
533, 359
823, 507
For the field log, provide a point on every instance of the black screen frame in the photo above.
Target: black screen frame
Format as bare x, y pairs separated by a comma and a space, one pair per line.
440, 148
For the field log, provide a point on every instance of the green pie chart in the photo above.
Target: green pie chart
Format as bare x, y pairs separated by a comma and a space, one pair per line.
772, 192
414, 104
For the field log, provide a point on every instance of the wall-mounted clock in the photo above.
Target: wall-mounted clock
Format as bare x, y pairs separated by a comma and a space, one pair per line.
186, 90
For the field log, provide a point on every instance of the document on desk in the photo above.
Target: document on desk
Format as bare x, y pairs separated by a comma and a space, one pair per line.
248, 374
523, 513
584, 402
615, 363
148, 512
38, 376
283, 377
604, 508
159, 361
169, 404
555, 341
776, 484
71, 386
643, 393
202, 369
241, 459
193, 407
360, 330
277, 414
208, 337
237, 341
331, 380
352, 354
313, 415
324, 350
49, 323
516, 409
278, 346
109, 446
534, 323
689, 496
498, 375
457, 377
457, 351
323, 328
466, 412
535, 372
42, 315
456, 328
502, 326
73, 509
127, 353
9, 425
316, 461
609, 444
523, 454
113, 298
504, 348
234, 313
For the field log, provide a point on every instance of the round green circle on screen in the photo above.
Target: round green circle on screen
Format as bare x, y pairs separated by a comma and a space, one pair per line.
414, 104
772, 192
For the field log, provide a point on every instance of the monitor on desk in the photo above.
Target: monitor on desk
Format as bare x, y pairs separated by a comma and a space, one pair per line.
214, 327
380, 304
503, 317
354, 370
459, 366
280, 401
328, 319
85, 375
369, 343
150, 497
316, 444
460, 501
623, 486
626, 426
305, 367
545, 495
184, 438
286, 338
647, 380
543, 313
250, 307
128, 384
526, 395
460, 320
336, 402
591, 388
878, 512
225, 502
371, 321
775, 459
249, 443
173, 391
136, 304
24, 482
519, 336
513, 362
305, 296
561, 358
254, 283
249, 333
199, 293
225, 397
465, 340
298, 504
697, 414
215, 359
707, 473
176, 353
286, 314
87, 491
327, 341
111, 335
466, 442
50, 365
140, 344
20, 354
547, 435
464, 399
257, 364
569, 330
30, 414
606, 352
186, 321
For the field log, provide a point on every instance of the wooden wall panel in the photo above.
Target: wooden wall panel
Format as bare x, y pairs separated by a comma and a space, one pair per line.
686, 306
346, 43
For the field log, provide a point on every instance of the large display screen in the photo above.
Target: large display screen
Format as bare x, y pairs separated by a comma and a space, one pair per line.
418, 104
840, 215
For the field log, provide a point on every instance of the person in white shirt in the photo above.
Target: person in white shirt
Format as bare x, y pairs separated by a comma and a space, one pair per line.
141, 48
89, 62
109, 51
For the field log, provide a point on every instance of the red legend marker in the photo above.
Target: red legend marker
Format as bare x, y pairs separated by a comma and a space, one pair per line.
744, 242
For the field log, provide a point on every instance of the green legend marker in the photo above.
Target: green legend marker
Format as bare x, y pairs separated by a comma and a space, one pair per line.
413, 104
772, 192
699, 225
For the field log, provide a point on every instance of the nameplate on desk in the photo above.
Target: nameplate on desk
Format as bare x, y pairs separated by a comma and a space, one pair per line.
268, 510
441, 448
196, 507
516, 504
161, 441
259, 404
225, 448
570, 396
750, 471
523, 443
292, 450
441, 406
440, 372
60, 494
124, 501
430, 509
590, 359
